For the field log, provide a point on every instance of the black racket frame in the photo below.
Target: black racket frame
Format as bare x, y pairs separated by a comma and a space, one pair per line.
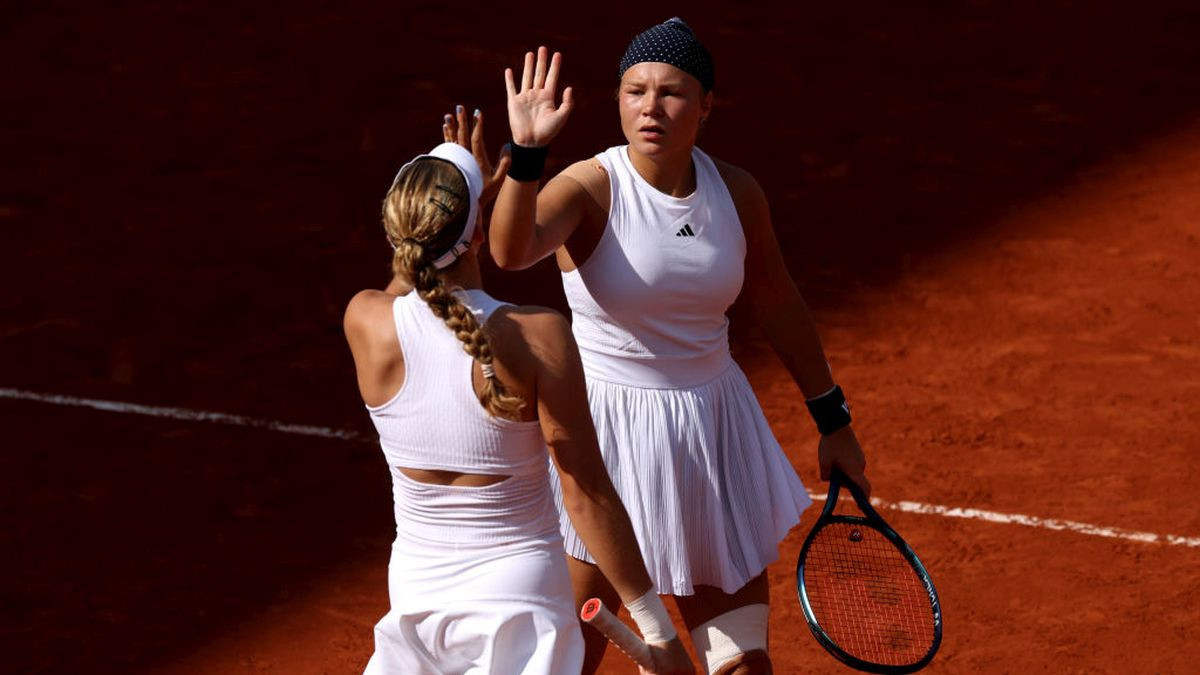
874, 521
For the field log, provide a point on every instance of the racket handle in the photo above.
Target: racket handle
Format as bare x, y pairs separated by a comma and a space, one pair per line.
597, 615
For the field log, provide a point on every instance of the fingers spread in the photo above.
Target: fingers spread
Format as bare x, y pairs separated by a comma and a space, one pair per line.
478, 147
463, 127
509, 85
477, 133
527, 73
551, 79
539, 78
568, 101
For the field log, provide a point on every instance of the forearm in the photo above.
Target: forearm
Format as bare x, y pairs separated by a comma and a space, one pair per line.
513, 230
792, 333
602, 523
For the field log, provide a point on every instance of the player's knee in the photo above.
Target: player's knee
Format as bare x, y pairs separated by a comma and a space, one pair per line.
734, 642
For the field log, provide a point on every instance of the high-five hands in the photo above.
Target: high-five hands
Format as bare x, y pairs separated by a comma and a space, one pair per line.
532, 113
458, 129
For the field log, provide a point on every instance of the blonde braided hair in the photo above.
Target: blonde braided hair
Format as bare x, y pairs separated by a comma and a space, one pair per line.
424, 213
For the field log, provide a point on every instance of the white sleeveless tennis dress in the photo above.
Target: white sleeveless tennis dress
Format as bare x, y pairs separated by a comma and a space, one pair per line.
708, 488
477, 579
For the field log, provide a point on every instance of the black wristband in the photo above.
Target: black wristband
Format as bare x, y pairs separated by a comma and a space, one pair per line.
527, 163
830, 411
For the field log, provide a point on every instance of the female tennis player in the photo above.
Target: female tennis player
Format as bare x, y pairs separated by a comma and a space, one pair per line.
655, 240
467, 393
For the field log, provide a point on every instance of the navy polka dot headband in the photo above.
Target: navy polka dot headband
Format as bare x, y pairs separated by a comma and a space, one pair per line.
674, 43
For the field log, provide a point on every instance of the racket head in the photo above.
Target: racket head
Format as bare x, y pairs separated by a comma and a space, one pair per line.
866, 596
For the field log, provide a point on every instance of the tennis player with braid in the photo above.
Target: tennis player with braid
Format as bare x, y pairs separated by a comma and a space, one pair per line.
655, 241
467, 394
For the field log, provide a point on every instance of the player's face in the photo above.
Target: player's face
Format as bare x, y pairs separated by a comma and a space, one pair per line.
661, 108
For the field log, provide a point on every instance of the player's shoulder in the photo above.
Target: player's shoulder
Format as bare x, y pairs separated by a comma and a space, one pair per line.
365, 311
533, 324
587, 176
740, 182
531, 334
587, 171
366, 302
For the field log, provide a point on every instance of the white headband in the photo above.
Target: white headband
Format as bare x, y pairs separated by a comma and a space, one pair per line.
465, 162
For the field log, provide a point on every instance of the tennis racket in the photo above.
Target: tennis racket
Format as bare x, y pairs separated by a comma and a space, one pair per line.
599, 617
867, 597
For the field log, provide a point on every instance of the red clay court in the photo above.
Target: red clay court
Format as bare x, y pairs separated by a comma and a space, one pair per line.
994, 209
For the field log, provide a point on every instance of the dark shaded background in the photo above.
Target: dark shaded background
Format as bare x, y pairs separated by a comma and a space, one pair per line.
189, 197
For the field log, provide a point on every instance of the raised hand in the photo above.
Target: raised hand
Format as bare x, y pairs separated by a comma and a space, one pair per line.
532, 113
457, 129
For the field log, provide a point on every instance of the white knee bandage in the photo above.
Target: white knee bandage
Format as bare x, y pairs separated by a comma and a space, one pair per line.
735, 632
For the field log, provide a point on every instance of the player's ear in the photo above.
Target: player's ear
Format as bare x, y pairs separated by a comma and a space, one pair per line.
706, 102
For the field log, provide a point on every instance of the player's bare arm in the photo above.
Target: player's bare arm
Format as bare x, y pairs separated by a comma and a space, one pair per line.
371, 334
591, 501
526, 228
780, 310
566, 422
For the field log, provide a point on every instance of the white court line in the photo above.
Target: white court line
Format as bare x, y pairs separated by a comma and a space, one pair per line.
326, 432
1032, 521
181, 414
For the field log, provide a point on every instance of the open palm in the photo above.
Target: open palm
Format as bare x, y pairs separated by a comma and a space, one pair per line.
534, 117
458, 129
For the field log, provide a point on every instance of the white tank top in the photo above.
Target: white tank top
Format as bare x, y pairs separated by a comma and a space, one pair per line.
436, 421
648, 307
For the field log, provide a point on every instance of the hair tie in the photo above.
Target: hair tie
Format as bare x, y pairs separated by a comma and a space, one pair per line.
487, 370
396, 244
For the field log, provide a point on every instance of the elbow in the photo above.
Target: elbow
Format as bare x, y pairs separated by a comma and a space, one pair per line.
573, 494
507, 263
588, 495
575, 502
505, 259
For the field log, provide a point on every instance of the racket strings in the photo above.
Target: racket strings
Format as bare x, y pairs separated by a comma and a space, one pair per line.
866, 596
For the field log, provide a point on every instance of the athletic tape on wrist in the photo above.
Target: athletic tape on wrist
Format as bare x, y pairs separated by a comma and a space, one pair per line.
650, 615
527, 162
829, 410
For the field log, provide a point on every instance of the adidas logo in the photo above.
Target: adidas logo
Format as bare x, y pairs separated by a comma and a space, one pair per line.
685, 231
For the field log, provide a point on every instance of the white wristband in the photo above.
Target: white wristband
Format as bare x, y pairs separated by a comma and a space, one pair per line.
650, 615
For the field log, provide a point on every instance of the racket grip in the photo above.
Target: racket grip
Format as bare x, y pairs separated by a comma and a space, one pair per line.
597, 615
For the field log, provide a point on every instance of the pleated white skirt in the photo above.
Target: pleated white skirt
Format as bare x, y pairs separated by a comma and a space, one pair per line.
706, 484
